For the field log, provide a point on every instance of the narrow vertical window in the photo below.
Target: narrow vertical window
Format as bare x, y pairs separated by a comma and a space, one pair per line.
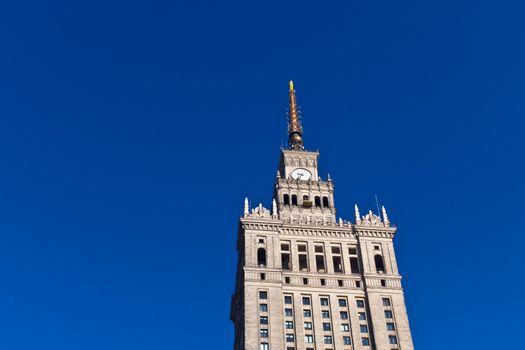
380, 265
325, 202
317, 201
294, 199
261, 257
286, 199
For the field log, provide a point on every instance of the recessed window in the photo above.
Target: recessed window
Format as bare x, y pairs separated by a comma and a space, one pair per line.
345, 327
388, 314
285, 247
354, 265
340, 283
342, 302
327, 339
308, 338
376, 247
363, 328
288, 312
263, 333
301, 248
323, 282
290, 348
287, 280
361, 316
261, 240
285, 261
286, 199
317, 201
319, 263
265, 346
324, 301
343, 315
358, 284
307, 313
383, 283
318, 248
347, 341
386, 302
336, 250
380, 265
289, 338
338, 264
263, 276
352, 250
303, 262
263, 295
308, 325
263, 307
326, 327
360, 303
294, 199
325, 202
288, 324
261, 257
287, 299
392, 339
325, 314
263, 320
365, 341
390, 326
306, 301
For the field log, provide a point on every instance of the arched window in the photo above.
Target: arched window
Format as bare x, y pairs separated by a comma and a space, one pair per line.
380, 265
317, 201
305, 197
325, 202
286, 199
294, 199
261, 257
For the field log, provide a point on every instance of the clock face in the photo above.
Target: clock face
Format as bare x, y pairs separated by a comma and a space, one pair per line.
301, 174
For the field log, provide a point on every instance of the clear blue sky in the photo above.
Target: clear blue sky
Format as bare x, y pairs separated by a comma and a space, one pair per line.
130, 133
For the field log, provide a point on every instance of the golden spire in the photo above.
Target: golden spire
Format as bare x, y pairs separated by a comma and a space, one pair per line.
295, 130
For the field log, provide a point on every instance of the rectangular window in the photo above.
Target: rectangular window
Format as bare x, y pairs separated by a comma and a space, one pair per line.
289, 338
360, 303
308, 325
263, 295
288, 324
388, 314
390, 326
318, 248
288, 312
347, 341
301, 248
392, 339
287, 299
345, 327
386, 302
362, 316
285, 261
363, 328
319, 263
327, 339
354, 265
343, 315
338, 265
306, 301
342, 302
285, 247
307, 313
352, 250
324, 301
264, 333
325, 314
326, 327
263, 307
309, 338
265, 346
336, 250
303, 262
263, 320
365, 341
290, 348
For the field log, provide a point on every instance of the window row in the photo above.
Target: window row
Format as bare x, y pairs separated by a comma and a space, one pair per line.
319, 258
319, 202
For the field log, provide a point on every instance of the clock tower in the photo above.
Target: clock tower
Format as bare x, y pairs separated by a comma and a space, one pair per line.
306, 281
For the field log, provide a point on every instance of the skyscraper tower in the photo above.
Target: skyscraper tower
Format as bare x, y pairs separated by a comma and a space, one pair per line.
306, 281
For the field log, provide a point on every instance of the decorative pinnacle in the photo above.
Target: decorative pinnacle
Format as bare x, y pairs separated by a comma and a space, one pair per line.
295, 130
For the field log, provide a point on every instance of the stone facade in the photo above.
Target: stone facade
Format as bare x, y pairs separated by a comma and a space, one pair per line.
307, 281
